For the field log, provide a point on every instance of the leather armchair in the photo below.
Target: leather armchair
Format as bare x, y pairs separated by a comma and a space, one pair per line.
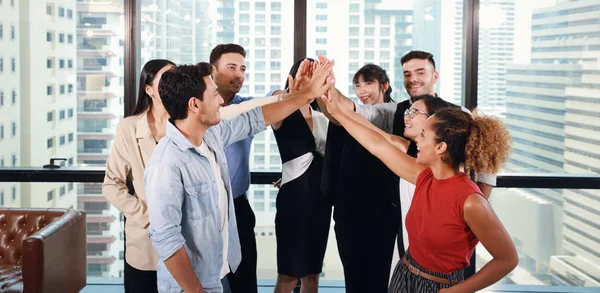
42, 250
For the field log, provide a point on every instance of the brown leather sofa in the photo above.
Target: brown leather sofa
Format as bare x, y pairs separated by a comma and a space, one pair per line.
42, 250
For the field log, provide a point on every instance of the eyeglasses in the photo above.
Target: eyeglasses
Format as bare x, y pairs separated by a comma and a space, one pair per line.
410, 113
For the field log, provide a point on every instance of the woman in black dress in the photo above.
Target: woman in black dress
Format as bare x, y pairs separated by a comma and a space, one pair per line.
365, 196
303, 213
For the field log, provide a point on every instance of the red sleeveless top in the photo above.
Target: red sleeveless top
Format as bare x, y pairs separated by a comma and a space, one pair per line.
439, 237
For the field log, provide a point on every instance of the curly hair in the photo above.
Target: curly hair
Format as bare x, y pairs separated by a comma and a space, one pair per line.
179, 84
481, 143
372, 72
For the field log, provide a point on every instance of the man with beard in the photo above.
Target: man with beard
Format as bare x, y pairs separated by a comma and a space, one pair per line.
229, 74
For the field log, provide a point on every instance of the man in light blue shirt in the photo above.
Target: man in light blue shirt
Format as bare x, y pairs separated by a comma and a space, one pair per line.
229, 75
192, 222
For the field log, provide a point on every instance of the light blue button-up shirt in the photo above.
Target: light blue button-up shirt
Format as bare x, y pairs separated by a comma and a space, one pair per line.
183, 205
238, 159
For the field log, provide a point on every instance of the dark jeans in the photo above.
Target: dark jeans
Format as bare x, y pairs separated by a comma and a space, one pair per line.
244, 278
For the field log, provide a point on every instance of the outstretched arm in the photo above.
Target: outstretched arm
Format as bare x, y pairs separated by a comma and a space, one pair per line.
319, 83
398, 161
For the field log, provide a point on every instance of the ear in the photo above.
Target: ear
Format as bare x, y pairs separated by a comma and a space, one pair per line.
193, 105
149, 91
441, 148
385, 86
436, 75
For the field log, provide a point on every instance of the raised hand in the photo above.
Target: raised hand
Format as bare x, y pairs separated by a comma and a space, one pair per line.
321, 80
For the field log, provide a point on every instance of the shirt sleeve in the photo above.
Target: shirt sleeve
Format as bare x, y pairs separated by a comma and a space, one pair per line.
380, 115
242, 126
234, 110
165, 195
489, 179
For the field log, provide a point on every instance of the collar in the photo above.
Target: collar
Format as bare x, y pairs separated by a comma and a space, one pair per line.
142, 129
177, 137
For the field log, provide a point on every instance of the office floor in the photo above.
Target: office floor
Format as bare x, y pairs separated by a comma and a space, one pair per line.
119, 289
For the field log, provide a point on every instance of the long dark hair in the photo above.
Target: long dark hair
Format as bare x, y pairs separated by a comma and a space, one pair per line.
151, 68
372, 72
293, 72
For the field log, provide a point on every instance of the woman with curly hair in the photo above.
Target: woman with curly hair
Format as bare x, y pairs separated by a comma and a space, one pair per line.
449, 215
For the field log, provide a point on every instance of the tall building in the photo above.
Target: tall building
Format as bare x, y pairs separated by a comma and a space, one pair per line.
99, 109
427, 31
496, 46
10, 98
553, 116
379, 32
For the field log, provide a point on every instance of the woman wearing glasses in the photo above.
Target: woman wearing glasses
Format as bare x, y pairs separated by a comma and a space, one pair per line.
449, 214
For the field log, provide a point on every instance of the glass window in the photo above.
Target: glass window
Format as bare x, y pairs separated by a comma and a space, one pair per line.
244, 6
322, 41
321, 5
321, 29
61, 12
372, 26
70, 13
49, 9
244, 17
50, 143
259, 6
259, 18
384, 31
275, 30
276, 6
275, 18
321, 17
50, 116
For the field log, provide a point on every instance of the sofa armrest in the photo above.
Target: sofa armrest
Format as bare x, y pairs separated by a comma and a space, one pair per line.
54, 258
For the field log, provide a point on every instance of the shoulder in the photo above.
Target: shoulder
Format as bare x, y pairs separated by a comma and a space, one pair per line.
239, 99
425, 176
129, 123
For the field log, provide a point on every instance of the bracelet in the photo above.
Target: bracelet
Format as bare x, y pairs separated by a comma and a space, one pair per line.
280, 97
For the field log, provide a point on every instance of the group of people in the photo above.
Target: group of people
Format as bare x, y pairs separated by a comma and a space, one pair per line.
416, 172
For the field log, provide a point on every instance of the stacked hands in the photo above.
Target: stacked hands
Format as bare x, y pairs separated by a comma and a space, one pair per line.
314, 78
318, 78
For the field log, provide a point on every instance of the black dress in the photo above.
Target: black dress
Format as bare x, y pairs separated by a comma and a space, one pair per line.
366, 211
303, 213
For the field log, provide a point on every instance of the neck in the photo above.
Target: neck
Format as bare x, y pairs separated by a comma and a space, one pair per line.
159, 114
442, 170
193, 131
227, 97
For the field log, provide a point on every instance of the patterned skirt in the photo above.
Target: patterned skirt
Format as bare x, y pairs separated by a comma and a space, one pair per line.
404, 281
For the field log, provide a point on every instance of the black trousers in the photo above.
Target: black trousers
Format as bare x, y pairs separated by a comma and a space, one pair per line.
138, 281
366, 251
244, 278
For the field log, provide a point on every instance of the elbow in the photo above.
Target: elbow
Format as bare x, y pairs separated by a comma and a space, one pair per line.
166, 242
513, 261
